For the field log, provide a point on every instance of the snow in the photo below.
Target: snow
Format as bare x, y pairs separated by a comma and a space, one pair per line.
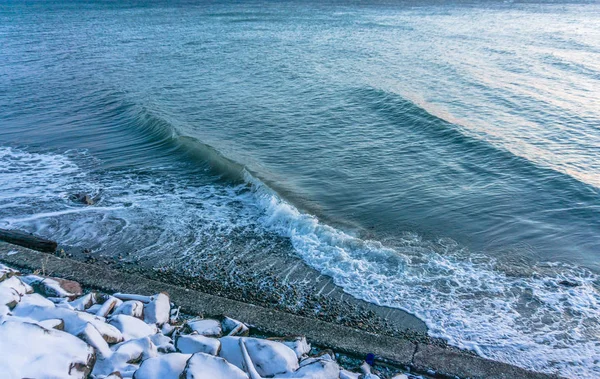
133, 308
132, 327
205, 327
195, 343
205, 366
30, 351
169, 366
158, 310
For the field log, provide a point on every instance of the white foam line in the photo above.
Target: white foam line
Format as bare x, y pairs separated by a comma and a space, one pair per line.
39, 216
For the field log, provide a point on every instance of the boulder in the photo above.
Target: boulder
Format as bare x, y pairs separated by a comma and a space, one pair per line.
195, 343
233, 327
54, 287
85, 301
108, 306
205, 366
158, 310
168, 366
53, 323
132, 327
163, 343
34, 300
318, 368
6, 272
36, 352
12, 289
92, 336
126, 357
209, 328
133, 308
269, 357
297, 343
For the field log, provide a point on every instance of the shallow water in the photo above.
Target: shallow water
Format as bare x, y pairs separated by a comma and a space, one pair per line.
438, 158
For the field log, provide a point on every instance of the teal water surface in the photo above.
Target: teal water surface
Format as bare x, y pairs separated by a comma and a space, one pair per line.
442, 158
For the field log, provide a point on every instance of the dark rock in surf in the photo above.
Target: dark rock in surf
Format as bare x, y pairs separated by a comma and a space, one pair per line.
82, 198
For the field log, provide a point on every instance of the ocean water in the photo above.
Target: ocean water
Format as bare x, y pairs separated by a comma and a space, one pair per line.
438, 157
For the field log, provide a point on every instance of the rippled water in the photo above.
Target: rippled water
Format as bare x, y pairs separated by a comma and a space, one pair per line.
439, 158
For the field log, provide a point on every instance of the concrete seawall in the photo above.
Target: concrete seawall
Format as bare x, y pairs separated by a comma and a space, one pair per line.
420, 357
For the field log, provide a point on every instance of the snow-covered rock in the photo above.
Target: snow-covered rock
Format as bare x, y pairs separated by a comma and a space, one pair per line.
157, 311
12, 289
195, 343
34, 299
53, 323
319, 368
297, 343
233, 327
126, 357
163, 343
92, 336
168, 366
54, 287
31, 351
108, 306
270, 358
205, 366
6, 272
132, 327
129, 296
84, 302
133, 308
205, 327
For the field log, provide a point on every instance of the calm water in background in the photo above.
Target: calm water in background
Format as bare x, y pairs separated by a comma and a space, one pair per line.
439, 158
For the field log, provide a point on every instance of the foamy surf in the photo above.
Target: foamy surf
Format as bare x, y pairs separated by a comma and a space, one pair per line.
543, 318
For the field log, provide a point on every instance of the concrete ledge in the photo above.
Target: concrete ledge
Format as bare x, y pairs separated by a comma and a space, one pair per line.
445, 362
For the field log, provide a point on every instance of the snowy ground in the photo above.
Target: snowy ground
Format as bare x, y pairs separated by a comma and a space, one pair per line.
50, 329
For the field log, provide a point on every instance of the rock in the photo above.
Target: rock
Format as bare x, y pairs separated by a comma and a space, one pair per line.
270, 358
85, 301
209, 328
168, 366
132, 327
318, 368
163, 343
128, 296
82, 198
108, 306
158, 310
94, 309
345, 374
92, 336
168, 329
114, 375
299, 344
233, 327
34, 300
110, 333
16, 284
6, 272
248, 364
134, 308
36, 352
126, 357
53, 323
53, 287
195, 343
205, 366
74, 322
